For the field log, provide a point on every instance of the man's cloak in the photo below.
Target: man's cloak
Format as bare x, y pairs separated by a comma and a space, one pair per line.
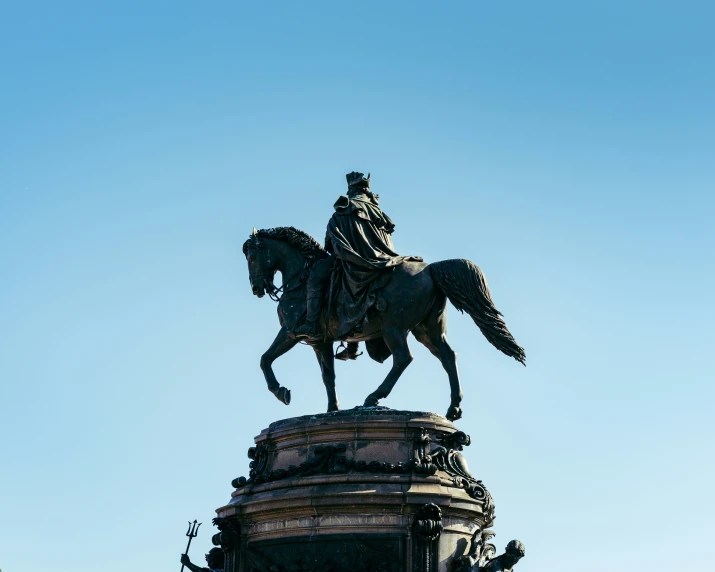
359, 236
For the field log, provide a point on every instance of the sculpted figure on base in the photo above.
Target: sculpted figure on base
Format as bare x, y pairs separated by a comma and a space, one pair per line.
374, 295
214, 560
479, 552
481, 555
506, 562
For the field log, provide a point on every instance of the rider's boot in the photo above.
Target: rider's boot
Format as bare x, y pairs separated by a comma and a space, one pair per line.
350, 352
309, 329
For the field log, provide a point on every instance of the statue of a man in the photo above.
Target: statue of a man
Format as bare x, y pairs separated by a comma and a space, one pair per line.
359, 239
478, 558
479, 552
505, 562
214, 560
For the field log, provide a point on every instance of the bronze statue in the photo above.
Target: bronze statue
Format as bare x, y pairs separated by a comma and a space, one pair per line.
505, 562
214, 560
479, 553
480, 557
375, 295
359, 239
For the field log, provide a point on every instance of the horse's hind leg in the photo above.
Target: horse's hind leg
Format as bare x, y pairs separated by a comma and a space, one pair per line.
431, 333
326, 359
283, 343
396, 340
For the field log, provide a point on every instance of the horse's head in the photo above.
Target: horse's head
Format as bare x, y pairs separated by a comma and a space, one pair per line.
282, 249
261, 266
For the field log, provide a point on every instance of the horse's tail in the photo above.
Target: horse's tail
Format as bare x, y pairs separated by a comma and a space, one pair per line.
465, 286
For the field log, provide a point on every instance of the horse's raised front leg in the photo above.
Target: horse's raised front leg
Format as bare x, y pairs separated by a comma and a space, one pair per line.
326, 359
396, 340
280, 345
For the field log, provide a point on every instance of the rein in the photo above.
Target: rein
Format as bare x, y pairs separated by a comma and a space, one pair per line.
277, 294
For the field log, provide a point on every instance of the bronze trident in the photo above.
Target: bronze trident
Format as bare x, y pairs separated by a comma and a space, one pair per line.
191, 533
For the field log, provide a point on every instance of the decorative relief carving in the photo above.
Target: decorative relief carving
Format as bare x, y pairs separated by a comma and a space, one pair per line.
229, 535
457, 440
259, 459
229, 540
428, 522
446, 457
441, 453
422, 462
427, 529
327, 460
259, 462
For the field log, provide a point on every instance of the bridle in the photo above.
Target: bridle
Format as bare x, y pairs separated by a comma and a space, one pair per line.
267, 274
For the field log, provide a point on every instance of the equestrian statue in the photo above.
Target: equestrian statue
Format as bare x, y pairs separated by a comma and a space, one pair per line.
357, 288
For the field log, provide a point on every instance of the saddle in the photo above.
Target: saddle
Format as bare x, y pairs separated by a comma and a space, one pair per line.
332, 312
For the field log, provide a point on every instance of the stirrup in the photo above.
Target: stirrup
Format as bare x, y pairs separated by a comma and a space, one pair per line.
345, 355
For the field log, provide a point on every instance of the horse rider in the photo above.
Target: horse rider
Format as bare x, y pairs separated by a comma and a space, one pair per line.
359, 239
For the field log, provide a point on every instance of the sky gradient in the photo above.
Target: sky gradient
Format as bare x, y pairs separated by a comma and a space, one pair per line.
565, 147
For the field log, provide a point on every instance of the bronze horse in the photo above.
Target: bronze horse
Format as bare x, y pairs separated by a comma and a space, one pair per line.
415, 301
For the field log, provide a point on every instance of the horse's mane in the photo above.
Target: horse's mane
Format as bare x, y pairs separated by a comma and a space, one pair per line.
305, 243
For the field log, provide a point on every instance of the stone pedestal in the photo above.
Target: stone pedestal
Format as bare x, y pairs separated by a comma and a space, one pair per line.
367, 489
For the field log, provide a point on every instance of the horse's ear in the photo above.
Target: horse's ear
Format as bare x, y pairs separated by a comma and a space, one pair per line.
255, 232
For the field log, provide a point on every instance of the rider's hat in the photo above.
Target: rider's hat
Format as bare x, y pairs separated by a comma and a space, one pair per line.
358, 180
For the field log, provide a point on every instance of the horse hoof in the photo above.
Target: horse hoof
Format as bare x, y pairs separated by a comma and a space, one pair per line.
283, 395
333, 407
454, 413
371, 401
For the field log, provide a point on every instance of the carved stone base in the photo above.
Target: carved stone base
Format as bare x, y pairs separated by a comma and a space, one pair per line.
368, 489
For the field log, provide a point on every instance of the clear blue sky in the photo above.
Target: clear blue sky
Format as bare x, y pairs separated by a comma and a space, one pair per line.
565, 147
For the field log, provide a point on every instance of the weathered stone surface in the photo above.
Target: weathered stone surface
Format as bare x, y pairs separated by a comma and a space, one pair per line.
344, 491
